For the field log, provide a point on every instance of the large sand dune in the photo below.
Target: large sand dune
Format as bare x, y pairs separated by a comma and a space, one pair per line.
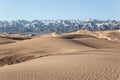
11, 38
72, 56
65, 67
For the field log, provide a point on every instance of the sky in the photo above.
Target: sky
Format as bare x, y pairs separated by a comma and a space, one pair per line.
59, 9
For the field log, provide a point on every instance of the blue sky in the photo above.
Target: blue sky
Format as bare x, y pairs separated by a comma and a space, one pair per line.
59, 9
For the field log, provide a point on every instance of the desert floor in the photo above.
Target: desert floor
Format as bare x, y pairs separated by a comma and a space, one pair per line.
81, 55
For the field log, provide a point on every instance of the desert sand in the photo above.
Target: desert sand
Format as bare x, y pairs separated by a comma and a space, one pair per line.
81, 55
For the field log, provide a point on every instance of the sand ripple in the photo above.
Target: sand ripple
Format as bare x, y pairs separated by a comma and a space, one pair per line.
67, 67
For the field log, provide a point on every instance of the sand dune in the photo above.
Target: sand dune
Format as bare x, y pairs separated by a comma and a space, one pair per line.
113, 35
65, 67
92, 41
38, 47
82, 55
42, 46
11, 38
6, 40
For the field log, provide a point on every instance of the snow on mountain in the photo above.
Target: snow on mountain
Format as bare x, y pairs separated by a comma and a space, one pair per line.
60, 26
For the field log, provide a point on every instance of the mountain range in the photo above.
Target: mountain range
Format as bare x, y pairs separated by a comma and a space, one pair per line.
59, 26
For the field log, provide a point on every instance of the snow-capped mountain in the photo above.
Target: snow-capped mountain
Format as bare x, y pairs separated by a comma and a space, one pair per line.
60, 26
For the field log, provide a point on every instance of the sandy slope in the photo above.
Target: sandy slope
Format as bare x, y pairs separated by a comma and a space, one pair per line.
38, 47
113, 35
11, 38
6, 40
75, 56
65, 67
